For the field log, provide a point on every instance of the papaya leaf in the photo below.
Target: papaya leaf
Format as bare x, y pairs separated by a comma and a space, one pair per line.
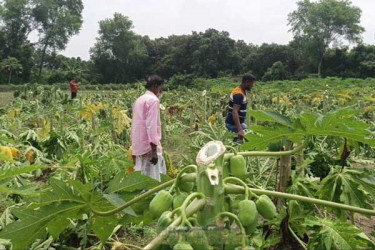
133, 182
306, 186
29, 190
341, 123
60, 192
103, 227
270, 116
32, 223
117, 201
328, 234
367, 185
9, 172
265, 135
344, 187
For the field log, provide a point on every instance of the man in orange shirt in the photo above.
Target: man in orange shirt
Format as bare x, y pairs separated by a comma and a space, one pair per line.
73, 88
235, 120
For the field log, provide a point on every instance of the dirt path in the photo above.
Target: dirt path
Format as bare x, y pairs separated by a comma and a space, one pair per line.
366, 224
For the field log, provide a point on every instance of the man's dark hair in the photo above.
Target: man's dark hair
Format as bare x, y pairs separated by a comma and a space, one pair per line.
248, 78
153, 81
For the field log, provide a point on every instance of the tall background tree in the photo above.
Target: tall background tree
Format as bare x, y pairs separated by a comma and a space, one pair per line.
119, 54
11, 66
56, 22
324, 23
16, 25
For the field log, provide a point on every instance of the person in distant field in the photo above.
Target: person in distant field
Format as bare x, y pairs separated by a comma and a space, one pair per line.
235, 120
73, 88
146, 131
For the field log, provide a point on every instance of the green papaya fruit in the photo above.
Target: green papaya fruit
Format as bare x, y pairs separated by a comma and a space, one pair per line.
182, 246
140, 206
266, 207
226, 170
164, 221
253, 227
238, 166
179, 199
160, 203
185, 186
247, 212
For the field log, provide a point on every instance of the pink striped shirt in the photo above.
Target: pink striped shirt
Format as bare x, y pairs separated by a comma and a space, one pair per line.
146, 125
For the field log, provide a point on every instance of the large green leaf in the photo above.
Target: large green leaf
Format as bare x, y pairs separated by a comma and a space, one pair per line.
29, 190
62, 191
117, 201
303, 186
133, 182
265, 135
345, 187
328, 234
32, 223
52, 214
341, 123
13, 171
103, 226
270, 116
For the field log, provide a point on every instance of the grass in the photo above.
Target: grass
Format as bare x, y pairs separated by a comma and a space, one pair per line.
5, 98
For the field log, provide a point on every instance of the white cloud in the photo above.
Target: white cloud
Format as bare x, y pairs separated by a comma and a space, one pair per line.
254, 21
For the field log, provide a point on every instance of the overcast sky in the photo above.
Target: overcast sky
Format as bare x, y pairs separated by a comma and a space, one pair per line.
254, 21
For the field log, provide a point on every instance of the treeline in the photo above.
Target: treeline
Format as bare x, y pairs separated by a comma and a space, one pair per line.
121, 56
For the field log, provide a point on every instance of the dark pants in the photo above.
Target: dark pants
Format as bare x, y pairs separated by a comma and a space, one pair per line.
74, 95
233, 128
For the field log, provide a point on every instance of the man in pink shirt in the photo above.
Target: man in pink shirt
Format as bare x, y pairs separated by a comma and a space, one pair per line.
146, 130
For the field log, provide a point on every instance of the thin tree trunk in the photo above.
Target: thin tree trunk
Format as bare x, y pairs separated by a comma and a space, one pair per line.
10, 76
320, 67
42, 59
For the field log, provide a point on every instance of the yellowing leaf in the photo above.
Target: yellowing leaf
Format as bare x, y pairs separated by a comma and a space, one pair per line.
122, 120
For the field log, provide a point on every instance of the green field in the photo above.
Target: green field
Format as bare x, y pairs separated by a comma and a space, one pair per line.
69, 159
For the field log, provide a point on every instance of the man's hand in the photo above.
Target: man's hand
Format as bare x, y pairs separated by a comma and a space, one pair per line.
154, 154
154, 158
240, 134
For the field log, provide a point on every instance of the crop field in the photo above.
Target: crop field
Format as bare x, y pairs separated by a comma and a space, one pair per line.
303, 179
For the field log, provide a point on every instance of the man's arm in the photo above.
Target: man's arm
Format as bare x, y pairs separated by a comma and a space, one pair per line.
237, 122
151, 126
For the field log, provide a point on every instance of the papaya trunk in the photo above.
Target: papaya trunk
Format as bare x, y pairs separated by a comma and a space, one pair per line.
214, 196
299, 160
285, 164
285, 170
